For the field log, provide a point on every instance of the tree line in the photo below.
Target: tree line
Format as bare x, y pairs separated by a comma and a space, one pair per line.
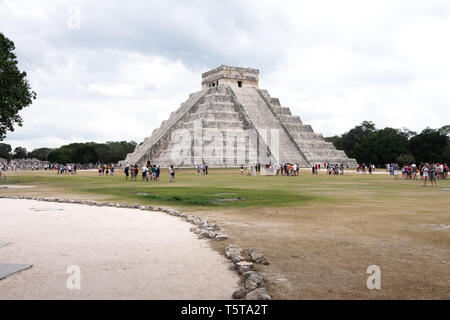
367, 144
83, 153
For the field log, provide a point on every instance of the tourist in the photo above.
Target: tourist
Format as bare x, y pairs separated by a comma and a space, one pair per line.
445, 171
395, 168
158, 171
432, 174
153, 173
134, 173
127, 171
144, 173
413, 171
171, 174
424, 174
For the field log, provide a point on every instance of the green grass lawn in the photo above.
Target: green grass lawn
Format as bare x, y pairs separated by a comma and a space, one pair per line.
221, 188
321, 232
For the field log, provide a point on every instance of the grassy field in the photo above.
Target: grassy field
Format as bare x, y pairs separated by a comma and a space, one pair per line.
320, 232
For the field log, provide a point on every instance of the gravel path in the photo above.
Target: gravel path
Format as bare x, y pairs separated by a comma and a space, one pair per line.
121, 253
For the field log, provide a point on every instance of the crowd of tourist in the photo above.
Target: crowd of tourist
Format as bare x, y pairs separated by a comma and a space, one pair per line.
201, 169
284, 169
330, 167
427, 171
105, 169
363, 168
150, 172
69, 168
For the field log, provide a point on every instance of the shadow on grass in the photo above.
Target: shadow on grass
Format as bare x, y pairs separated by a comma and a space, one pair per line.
208, 196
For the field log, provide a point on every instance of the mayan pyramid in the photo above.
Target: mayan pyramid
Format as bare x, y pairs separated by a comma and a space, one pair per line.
230, 99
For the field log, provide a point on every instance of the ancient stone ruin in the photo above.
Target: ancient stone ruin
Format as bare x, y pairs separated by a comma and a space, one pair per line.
210, 123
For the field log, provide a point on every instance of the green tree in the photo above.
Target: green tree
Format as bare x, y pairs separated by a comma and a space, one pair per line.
446, 153
355, 136
445, 130
91, 152
405, 159
337, 141
5, 151
20, 153
15, 91
60, 155
428, 146
40, 153
381, 147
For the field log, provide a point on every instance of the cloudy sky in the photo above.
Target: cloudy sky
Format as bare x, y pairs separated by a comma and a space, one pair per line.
106, 71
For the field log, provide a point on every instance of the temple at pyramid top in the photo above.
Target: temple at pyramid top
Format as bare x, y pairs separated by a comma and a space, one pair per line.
232, 76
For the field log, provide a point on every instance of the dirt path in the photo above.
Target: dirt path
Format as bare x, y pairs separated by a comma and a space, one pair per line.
121, 253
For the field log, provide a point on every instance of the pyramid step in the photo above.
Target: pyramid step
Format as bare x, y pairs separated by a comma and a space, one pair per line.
215, 115
291, 120
294, 128
281, 111
225, 124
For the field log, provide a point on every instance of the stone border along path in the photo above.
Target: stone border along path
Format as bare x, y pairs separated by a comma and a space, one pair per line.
253, 283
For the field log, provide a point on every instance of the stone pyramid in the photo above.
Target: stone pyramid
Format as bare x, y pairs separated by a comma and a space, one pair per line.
231, 102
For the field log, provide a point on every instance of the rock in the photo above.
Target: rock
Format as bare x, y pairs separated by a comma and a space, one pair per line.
220, 236
239, 293
237, 259
256, 256
264, 296
233, 246
233, 266
244, 266
196, 230
257, 294
142, 207
216, 227
203, 234
250, 285
233, 252
247, 274
256, 278
211, 235
265, 261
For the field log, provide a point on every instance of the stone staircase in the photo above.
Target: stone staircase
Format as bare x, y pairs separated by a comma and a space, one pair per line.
263, 119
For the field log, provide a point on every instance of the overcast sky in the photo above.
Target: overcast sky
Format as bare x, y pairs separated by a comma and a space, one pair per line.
107, 72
